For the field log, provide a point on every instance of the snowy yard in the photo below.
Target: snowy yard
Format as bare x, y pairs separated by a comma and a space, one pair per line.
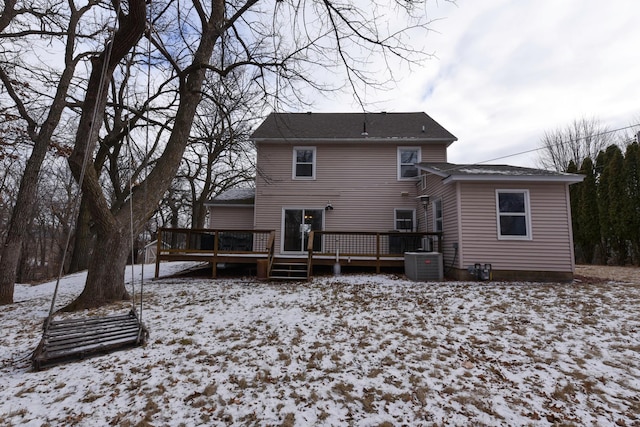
358, 350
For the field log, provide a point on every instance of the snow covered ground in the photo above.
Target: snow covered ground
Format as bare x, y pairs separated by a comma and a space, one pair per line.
357, 350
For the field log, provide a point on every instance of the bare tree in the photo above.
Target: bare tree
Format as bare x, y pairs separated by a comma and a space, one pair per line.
631, 133
26, 86
11, 168
219, 155
103, 283
280, 44
53, 219
114, 157
574, 143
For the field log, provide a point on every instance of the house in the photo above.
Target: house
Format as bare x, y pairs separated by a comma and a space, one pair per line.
149, 252
232, 209
516, 219
383, 172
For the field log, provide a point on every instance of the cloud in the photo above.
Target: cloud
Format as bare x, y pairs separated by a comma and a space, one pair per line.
518, 69
507, 71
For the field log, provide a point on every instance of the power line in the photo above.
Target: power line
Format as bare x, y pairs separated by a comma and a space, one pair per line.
560, 143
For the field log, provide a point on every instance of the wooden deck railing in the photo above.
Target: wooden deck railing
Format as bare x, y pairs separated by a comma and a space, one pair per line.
374, 246
189, 244
376, 249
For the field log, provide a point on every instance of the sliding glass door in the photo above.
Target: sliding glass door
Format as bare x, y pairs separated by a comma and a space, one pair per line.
297, 225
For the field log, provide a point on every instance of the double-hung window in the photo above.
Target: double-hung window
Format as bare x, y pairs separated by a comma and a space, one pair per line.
405, 219
304, 163
407, 158
513, 214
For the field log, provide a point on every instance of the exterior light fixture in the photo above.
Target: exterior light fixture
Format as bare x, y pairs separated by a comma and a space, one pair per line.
424, 199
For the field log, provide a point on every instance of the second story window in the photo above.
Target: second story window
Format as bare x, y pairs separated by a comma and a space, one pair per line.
407, 158
304, 163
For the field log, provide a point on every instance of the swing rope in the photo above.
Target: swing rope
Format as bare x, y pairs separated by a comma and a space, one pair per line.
130, 200
138, 316
79, 337
147, 135
130, 176
83, 170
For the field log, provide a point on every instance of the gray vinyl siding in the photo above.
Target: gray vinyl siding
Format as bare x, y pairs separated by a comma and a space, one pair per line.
550, 248
231, 218
358, 179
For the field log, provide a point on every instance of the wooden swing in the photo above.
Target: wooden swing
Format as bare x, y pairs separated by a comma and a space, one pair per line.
76, 339
79, 338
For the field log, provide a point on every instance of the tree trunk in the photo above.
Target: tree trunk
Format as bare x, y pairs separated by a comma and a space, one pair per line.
199, 214
105, 278
21, 219
8, 271
83, 240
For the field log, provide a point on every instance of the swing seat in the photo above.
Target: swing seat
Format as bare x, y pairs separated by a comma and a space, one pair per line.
78, 338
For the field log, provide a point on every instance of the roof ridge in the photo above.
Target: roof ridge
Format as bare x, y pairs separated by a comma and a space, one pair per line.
412, 125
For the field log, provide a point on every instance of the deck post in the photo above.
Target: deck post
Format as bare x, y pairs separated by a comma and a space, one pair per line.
377, 253
214, 269
270, 251
158, 246
310, 254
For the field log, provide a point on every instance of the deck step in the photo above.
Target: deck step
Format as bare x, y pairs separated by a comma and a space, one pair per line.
288, 271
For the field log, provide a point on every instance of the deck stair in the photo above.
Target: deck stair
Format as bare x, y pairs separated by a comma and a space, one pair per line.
289, 271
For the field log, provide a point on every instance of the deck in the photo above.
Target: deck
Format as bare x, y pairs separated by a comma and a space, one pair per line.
350, 248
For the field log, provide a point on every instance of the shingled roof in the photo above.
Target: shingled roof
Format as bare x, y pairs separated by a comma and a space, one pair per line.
453, 172
352, 126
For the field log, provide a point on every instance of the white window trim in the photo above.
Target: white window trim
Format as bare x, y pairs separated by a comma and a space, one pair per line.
294, 164
526, 214
435, 219
413, 219
399, 164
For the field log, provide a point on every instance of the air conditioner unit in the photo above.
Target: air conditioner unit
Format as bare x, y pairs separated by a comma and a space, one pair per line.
423, 266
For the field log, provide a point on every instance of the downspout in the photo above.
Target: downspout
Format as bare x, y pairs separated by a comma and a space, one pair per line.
459, 226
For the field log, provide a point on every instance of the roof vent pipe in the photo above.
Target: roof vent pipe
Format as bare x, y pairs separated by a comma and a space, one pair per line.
422, 128
364, 129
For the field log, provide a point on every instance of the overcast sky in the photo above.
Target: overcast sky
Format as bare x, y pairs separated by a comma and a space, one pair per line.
508, 70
